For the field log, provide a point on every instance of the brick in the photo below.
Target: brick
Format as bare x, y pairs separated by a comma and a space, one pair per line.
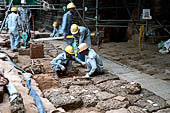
36, 51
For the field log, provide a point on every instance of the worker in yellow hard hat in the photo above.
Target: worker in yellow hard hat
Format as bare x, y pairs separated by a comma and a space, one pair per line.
81, 35
56, 28
63, 61
67, 22
93, 62
13, 24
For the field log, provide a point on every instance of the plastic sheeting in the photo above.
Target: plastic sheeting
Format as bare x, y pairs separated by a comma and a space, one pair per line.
32, 92
36, 98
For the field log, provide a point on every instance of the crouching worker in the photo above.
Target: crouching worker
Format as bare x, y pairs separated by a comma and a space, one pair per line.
56, 28
93, 61
63, 62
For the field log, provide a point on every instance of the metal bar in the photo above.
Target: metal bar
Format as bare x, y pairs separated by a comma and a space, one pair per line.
90, 18
117, 20
163, 27
97, 39
101, 25
83, 9
6, 15
115, 7
158, 36
139, 9
127, 8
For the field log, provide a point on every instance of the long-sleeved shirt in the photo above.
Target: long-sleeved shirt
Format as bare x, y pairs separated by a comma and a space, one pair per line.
55, 32
94, 61
83, 36
25, 14
13, 22
62, 61
66, 23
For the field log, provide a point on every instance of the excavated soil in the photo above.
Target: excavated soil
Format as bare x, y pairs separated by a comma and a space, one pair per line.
45, 81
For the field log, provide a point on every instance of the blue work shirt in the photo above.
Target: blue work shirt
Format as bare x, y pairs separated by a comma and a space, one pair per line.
66, 23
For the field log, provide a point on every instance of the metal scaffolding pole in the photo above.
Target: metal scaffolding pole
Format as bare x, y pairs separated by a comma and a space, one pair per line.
139, 3
97, 6
127, 8
163, 27
6, 15
83, 9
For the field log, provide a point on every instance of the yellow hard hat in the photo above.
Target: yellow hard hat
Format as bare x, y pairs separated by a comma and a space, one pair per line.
71, 5
74, 29
55, 24
69, 49
14, 9
82, 47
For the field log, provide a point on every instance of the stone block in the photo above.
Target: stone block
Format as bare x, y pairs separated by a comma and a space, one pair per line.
23, 51
111, 104
36, 51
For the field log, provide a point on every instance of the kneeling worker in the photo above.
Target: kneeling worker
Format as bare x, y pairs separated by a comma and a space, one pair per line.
56, 28
63, 61
93, 61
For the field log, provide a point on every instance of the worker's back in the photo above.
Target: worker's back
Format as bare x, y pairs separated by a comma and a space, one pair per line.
92, 54
13, 22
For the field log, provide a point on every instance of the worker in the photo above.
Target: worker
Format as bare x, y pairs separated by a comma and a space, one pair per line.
25, 16
55, 30
13, 24
63, 61
67, 22
93, 62
81, 35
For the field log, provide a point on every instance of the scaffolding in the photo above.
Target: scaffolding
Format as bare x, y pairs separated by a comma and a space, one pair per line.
114, 22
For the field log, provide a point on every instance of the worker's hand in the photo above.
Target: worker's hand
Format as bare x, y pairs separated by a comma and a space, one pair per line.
63, 69
65, 37
7, 30
87, 76
83, 64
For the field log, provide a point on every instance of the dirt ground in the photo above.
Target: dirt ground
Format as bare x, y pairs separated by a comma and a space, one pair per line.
149, 60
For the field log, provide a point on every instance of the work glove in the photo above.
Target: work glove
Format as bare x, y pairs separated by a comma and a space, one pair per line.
76, 53
63, 69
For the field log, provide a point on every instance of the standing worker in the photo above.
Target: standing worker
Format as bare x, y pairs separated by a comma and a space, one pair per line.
93, 62
63, 61
67, 22
13, 24
56, 28
25, 15
81, 35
